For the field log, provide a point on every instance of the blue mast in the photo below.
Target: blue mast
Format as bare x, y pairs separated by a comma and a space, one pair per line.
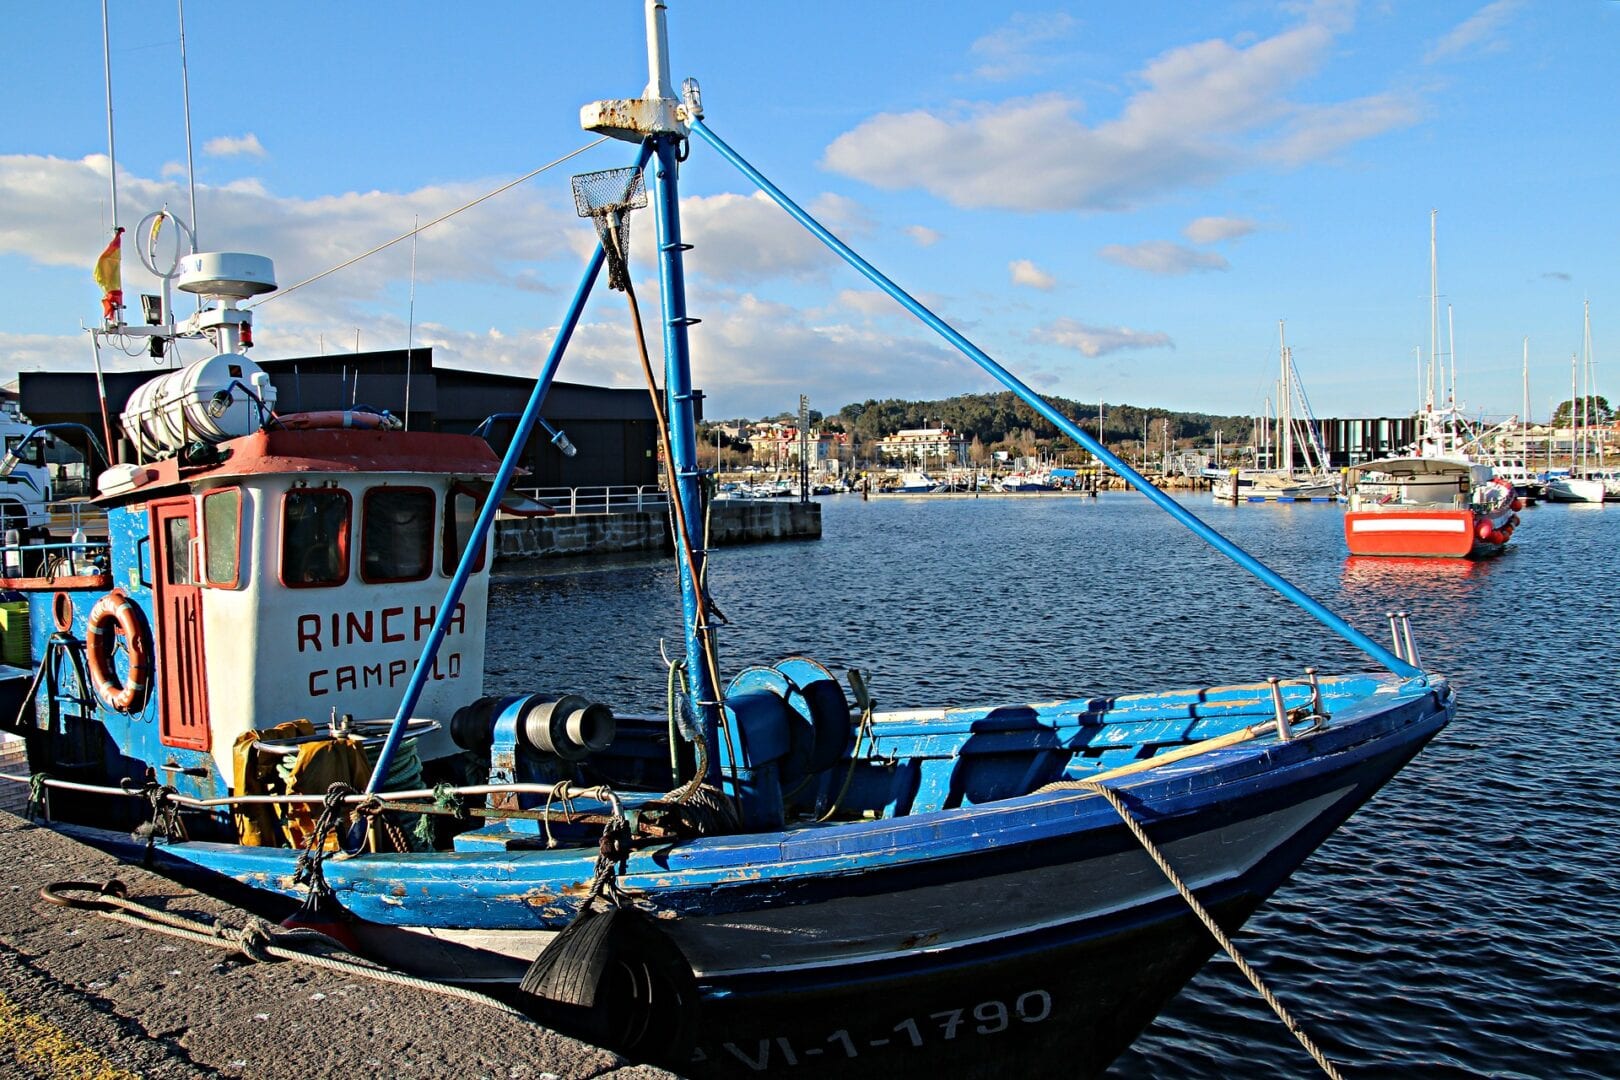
659, 120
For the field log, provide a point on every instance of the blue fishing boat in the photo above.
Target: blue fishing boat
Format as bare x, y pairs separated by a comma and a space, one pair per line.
270, 674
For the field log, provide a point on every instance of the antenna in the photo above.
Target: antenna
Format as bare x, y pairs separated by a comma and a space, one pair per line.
112, 156
410, 320
185, 94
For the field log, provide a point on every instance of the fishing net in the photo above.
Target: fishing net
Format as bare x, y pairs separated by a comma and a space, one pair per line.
608, 197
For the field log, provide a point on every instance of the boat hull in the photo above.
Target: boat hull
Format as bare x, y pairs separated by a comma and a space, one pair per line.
1432, 534
967, 941
1576, 489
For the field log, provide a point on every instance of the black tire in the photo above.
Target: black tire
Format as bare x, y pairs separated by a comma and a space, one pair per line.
614, 979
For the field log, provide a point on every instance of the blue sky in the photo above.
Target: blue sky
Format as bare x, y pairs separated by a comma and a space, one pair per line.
1116, 200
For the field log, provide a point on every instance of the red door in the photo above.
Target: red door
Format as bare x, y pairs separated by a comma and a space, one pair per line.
183, 702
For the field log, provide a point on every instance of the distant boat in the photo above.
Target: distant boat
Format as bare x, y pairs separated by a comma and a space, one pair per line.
1526, 484
1437, 502
1025, 481
1594, 486
1428, 507
915, 483
1282, 482
1585, 481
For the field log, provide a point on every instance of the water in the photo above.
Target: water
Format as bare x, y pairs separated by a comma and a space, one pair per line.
1464, 923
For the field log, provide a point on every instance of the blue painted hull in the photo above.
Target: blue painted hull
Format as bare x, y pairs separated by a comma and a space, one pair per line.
1025, 930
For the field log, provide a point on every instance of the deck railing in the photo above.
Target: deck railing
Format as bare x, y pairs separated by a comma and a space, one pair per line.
603, 499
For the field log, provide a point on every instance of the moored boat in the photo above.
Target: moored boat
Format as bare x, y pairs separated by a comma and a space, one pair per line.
1282, 480
1428, 507
776, 874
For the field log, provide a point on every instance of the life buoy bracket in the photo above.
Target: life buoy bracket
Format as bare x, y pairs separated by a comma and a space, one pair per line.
116, 615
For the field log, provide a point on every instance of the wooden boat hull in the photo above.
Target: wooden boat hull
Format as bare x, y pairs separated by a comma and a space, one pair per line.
1027, 931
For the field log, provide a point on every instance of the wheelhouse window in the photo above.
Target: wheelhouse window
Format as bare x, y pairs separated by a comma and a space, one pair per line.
177, 546
315, 537
222, 541
396, 534
461, 508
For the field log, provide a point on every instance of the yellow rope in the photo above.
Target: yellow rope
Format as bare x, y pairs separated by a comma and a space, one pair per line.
1210, 924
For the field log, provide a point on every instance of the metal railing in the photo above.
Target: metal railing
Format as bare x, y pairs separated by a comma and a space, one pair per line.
604, 499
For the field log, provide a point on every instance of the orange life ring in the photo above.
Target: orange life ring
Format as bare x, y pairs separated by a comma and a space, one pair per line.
116, 614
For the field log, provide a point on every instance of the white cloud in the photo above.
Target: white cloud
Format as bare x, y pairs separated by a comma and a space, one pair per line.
868, 301
923, 235
742, 238
1320, 131
234, 146
1021, 47
1029, 275
1478, 32
1213, 230
1201, 112
1094, 341
754, 357
1163, 257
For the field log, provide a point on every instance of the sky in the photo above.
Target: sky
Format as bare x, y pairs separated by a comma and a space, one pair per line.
1117, 201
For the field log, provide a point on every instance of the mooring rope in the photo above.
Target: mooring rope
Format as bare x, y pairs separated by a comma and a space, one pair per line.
1210, 924
257, 940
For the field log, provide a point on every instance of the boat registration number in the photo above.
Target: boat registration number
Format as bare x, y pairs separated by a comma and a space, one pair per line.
913, 1032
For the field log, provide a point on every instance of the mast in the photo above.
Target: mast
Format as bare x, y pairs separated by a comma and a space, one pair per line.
112, 155
1434, 311
1573, 391
1285, 407
185, 93
1591, 375
1524, 413
657, 119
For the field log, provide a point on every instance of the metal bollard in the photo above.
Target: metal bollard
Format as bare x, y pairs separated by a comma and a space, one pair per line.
1283, 733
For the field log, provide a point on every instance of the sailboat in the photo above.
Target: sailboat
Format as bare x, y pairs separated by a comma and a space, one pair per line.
774, 875
1587, 481
1439, 501
1282, 481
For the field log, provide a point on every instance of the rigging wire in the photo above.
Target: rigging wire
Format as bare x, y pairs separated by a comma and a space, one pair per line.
441, 218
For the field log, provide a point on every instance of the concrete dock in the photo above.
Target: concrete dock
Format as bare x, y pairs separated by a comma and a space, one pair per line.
84, 996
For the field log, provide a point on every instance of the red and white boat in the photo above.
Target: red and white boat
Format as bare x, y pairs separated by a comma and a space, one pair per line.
1428, 507
1441, 501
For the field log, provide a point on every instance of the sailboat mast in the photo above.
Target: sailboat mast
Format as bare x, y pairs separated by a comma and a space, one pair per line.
1524, 413
1285, 407
1573, 391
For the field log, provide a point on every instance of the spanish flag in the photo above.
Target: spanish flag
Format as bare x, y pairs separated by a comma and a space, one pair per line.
109, 277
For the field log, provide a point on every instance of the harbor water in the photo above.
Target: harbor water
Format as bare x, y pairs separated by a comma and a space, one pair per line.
1464, 923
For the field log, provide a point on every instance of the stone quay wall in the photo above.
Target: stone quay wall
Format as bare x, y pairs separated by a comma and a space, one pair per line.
731, 521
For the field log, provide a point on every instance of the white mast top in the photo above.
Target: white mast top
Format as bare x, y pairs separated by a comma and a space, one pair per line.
658, 88
657, 111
